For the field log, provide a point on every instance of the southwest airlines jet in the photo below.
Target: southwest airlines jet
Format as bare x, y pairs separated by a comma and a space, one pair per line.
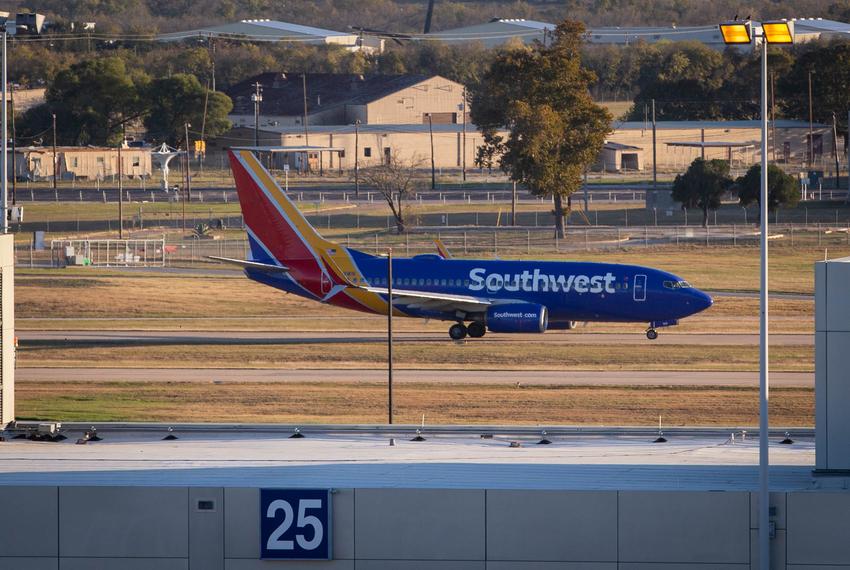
475, 295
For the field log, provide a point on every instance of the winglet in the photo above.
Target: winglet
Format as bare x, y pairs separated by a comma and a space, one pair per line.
442, 250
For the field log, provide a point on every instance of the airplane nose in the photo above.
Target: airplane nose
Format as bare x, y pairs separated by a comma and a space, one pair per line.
703, 300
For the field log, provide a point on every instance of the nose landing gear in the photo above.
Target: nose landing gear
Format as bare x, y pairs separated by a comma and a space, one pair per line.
651, 334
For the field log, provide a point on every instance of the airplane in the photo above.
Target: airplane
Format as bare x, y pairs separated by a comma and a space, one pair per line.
476, 296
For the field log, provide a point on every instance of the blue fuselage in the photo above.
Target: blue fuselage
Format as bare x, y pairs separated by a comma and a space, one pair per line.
571, 291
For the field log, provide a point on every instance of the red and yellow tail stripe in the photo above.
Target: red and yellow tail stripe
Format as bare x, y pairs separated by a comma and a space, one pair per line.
320, 266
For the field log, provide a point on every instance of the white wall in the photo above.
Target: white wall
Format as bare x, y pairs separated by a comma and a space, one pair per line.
155, 528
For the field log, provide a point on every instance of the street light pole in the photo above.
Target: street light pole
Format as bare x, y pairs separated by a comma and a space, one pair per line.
390, 335
772, 32
257, 98
54, 152
764, 385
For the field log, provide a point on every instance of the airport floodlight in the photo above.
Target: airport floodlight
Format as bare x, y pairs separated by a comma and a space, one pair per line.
772, 32
736, 32
778, 32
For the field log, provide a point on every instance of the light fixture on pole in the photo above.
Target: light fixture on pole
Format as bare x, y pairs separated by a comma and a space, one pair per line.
774, 32
257, 98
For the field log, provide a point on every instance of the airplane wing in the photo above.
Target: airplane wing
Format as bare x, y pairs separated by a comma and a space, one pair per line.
434, 301
246, 264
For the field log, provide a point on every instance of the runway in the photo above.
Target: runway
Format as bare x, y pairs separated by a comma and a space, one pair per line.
163, 338
444, 376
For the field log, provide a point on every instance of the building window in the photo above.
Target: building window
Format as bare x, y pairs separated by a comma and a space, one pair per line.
100, 161
367, 151
75, 162
137, 161
786, 152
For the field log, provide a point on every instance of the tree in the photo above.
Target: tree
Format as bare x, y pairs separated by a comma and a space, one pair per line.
180, 99
92, 98
782, 188
702, 185
830, 65
396, 181
542, 95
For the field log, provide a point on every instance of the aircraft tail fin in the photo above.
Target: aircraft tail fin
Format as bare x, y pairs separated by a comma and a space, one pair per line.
279, 233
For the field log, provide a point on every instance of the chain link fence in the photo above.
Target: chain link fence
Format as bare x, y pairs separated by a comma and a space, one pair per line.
502, 243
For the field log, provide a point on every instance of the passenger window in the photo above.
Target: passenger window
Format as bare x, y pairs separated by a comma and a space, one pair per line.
466, 282
427, 282
443, 282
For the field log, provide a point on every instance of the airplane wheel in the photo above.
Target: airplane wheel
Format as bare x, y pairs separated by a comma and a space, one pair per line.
457, 331
476, 329
652, 334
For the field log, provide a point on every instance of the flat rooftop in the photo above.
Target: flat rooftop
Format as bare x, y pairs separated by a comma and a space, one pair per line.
257, 458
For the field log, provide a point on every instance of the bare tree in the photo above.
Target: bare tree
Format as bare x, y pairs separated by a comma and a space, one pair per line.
396, 180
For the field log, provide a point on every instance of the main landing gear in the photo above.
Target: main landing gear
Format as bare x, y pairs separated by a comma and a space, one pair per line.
651, 334
459, 331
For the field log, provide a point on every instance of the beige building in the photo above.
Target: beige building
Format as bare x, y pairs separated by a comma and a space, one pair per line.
628, 148
87, 163
678, 143
342, 99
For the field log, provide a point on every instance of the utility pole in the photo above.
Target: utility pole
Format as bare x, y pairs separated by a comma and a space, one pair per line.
54, 152
357, 158
513, 204
835, 147
257, 98
811, 121
773, 115
433, 168
654, 153
188, 173
463, 150
14, 178
4, 160
212, 61
390, 335
120, 192
306, 129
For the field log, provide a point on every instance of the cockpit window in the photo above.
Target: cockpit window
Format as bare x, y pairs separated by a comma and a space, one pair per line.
677, 285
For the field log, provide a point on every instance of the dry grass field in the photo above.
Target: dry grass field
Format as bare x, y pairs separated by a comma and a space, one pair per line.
103, 300
440, 403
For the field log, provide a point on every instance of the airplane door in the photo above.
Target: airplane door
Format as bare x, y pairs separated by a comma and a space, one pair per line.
640, 288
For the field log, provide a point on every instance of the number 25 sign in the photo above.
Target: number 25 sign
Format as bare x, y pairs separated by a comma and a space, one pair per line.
295, 524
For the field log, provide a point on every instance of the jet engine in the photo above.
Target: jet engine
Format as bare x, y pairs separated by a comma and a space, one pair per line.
517, 318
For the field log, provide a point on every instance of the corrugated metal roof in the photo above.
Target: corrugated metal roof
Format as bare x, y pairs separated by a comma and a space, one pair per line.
262, 30
283, 93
